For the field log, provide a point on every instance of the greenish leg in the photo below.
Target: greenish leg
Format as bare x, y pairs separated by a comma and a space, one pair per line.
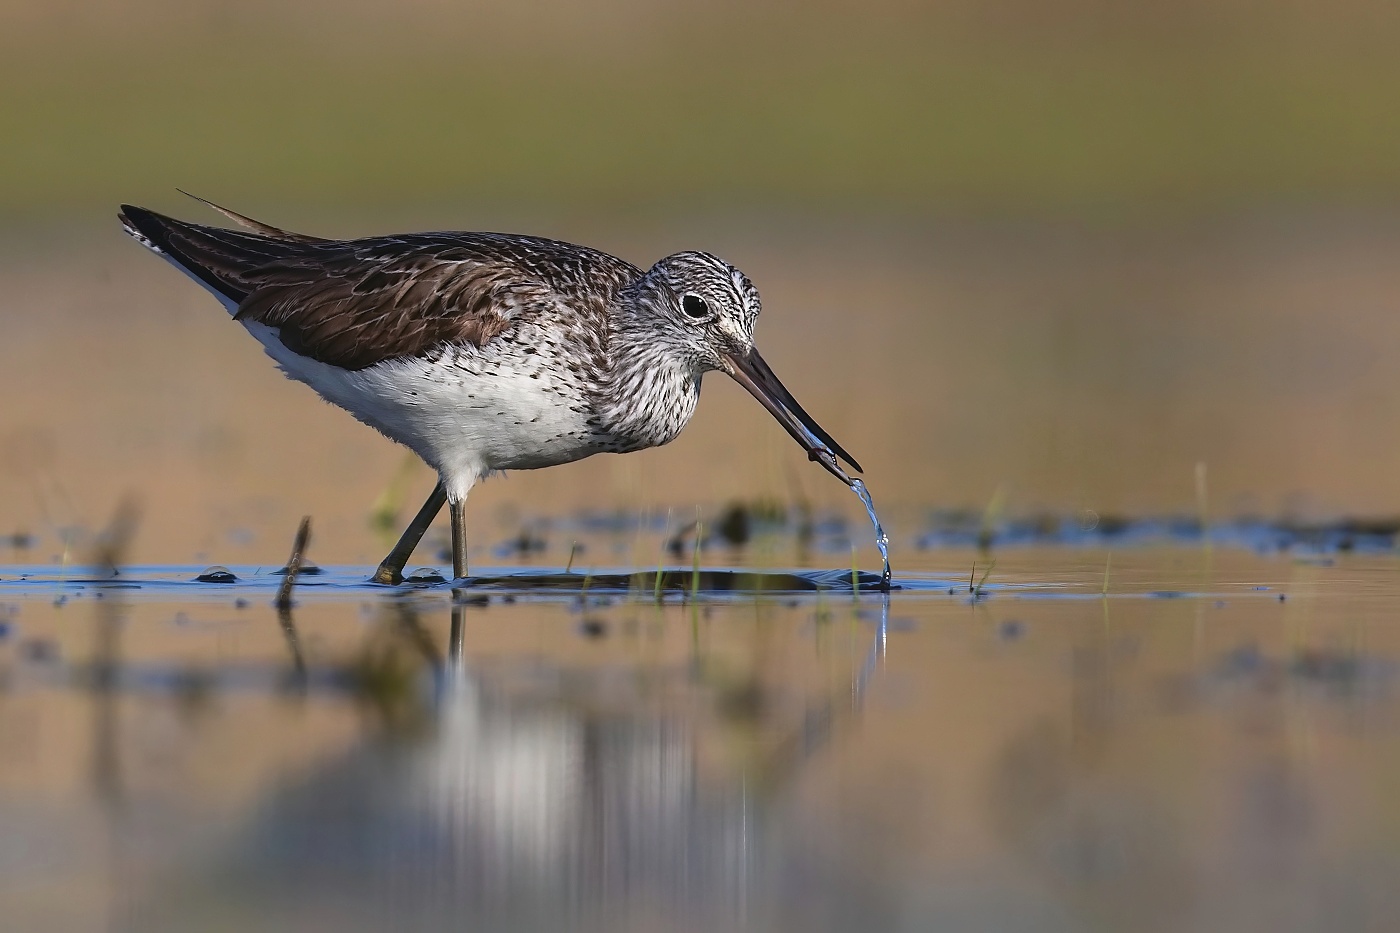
390, 570
458, 511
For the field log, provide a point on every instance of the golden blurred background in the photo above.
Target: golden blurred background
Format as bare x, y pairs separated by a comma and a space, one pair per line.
1063, 250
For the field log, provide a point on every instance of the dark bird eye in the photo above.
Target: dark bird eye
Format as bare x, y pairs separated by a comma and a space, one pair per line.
694, 306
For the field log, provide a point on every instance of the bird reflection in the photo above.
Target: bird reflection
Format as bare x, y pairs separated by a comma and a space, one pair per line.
528, 809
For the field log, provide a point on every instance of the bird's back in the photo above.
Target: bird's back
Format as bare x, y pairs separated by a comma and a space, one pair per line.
356, 303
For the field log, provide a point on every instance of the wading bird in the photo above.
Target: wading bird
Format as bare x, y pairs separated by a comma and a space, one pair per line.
487, 351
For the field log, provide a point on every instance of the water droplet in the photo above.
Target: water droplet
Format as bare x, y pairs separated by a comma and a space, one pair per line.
425, 575
216, 574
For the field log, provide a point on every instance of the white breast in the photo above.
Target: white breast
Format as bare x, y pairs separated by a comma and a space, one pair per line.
467, 412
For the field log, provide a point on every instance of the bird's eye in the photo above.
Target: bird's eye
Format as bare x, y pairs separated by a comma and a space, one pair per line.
694, 306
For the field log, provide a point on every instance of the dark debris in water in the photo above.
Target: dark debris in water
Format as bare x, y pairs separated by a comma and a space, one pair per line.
1340, 672
740, 521
39, 651
735, 526
968, 529
1011, 630
18, 540
705, 581
306, 570
525, 543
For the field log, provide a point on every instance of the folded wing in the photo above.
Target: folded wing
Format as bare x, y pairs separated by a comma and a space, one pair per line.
355, 303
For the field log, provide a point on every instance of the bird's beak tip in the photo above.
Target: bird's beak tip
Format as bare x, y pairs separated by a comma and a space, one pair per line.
749, 370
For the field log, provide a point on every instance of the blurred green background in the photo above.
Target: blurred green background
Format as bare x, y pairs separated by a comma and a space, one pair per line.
1056, 254
1089, 107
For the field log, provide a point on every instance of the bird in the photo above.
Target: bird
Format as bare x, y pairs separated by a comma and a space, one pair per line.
487, 352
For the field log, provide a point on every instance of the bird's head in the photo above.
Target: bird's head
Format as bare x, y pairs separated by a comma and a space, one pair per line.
707, 310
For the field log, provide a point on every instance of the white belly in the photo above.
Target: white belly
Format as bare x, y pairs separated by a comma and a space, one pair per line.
466, 414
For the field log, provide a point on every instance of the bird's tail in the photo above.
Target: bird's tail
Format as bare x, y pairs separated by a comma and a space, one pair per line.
217, 258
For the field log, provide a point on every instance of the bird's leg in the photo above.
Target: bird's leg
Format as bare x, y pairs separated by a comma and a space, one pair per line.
391, 568
458, 511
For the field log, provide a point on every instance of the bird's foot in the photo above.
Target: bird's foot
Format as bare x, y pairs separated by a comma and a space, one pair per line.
387, 575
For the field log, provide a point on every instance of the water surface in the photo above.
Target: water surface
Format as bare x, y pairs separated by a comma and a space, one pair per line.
1211, 745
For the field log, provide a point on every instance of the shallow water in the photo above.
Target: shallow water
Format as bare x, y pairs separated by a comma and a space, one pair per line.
1211, 745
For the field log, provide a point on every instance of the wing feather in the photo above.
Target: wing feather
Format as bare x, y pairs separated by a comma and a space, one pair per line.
355, 303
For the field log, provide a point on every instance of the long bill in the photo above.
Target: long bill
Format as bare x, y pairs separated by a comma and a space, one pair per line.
751, 372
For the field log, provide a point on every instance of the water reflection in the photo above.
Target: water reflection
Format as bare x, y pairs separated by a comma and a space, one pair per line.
535, 802
1034, 757
1105, 842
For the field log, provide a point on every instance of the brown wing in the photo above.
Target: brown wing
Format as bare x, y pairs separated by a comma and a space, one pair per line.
353, 310
354, 303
